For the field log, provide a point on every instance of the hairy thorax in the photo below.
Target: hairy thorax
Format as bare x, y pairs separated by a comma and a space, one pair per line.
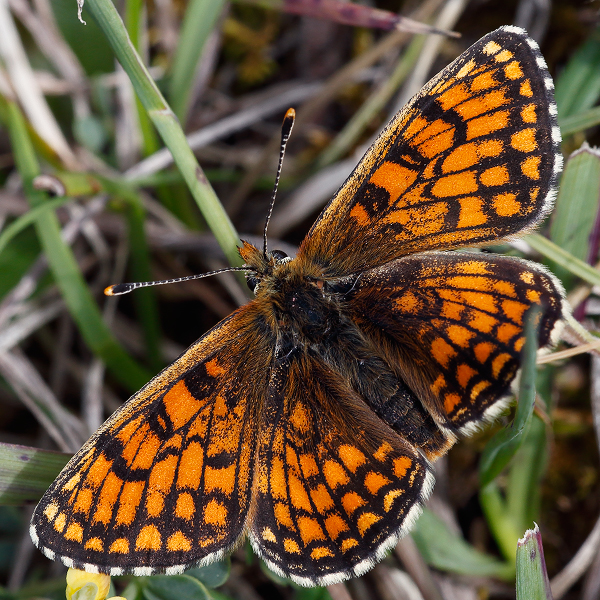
308, 313
302, 304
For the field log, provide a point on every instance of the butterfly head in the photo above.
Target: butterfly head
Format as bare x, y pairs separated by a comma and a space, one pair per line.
261, 265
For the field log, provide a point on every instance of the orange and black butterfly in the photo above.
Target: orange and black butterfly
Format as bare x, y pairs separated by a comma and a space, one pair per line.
308, 419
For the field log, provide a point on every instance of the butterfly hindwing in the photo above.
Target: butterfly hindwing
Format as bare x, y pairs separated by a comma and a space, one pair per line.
335, 487
473, 157
453, 322
166, 482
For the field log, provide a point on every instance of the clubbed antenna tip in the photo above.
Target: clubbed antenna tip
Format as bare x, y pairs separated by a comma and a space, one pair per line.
286, 130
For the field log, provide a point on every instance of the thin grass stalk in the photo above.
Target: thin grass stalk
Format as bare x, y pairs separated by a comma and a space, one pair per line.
168, 127
63, 265
199, 21
563, 258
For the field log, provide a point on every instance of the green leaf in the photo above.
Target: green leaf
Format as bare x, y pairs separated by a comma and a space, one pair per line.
26, 473
214, 575
216, 595
576, 208
174, 587
315, 593
133, 590
444, 550
532, 577
578, 87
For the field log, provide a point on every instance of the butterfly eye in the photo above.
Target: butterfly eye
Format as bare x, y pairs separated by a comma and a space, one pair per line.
252, 282
280, 256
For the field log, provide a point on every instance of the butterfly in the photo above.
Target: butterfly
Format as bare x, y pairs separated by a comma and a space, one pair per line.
308, 419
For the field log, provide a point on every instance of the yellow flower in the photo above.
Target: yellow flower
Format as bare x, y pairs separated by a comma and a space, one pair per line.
87, 586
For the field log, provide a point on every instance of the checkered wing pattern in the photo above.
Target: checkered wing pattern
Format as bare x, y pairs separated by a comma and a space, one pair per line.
453, 323
166, 482
473, 157
335, 487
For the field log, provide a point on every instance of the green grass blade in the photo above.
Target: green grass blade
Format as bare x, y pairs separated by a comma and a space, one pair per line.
140, 270
17, 259
198, 22
580, 121
26, 473
503, 446
525, 474
563, 258
65, 270
532, 577
212, 575
174, 587
29, 218
134, 10
444, 550
578, 87
500, 521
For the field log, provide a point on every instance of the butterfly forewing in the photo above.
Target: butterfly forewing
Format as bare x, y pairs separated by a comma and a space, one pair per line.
473, 157
166, 482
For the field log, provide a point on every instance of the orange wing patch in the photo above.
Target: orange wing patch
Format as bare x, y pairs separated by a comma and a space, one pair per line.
183, 447
454, 167
468, 317
352, 502
307, 418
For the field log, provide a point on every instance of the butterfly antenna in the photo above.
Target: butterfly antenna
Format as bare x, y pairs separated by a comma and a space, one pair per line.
124, 288
286, 130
